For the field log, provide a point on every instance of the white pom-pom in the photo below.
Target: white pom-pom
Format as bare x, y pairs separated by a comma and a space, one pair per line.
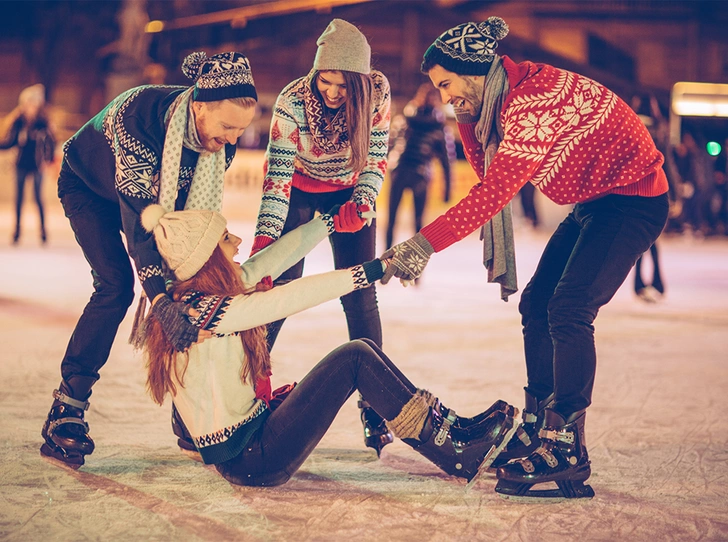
151, 216
497, 27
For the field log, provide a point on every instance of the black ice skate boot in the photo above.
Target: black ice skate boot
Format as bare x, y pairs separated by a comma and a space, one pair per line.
561, 458
184, 439
462, 426
376, 433
526, 440
464, 458
65, 432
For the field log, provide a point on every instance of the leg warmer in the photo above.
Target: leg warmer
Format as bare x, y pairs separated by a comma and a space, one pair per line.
411, 419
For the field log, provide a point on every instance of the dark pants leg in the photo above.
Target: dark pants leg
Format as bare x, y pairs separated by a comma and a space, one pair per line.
360, 307
584, 263
20, 176
96, 223
37, 186
395, 197
419, 196
293, 430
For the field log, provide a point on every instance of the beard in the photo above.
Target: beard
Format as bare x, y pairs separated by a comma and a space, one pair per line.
473, 93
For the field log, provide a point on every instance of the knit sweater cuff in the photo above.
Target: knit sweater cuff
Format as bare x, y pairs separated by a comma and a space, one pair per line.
467, 135
374, 270
153, 286
439, 234
260, 242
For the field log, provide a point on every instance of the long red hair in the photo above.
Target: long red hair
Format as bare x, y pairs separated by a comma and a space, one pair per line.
217, 277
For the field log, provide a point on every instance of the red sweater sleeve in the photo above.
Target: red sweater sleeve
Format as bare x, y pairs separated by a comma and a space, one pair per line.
496, 188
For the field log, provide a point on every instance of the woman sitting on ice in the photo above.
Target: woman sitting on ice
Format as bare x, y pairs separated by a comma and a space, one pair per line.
221, 386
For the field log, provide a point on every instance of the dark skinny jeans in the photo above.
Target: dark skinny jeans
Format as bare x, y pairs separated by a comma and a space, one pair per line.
96, 223
292, 431
583, 265
350, 249
21, 176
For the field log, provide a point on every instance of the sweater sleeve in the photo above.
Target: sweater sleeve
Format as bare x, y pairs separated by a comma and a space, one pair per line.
499, 185
137, 153
371, 177
278, 174
286, 251
245, 311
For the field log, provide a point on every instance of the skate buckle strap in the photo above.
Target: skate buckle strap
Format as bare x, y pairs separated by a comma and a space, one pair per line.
68, 419
523, 436
527, 466
445, 428
557, 435
551, 461
529, 417
58, 395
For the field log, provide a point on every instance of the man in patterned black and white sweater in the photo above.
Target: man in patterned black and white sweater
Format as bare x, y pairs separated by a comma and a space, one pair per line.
152, 144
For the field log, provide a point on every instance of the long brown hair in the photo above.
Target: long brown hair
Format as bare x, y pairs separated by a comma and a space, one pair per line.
217, 277
358, 111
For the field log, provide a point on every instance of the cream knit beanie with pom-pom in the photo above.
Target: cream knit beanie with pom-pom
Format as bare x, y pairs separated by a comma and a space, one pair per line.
185, 239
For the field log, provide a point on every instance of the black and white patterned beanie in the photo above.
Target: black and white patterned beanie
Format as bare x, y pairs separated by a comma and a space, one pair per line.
219, 77
467, 49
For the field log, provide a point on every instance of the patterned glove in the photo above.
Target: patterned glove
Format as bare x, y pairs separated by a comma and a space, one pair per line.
173, 317
408, 259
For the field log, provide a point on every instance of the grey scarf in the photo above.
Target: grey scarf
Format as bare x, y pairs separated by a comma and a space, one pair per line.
499, 254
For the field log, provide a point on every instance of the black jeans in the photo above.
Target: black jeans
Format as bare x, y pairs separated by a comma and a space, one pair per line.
402, 179
584, 263
21, 176
96, 223
293, 430
350, 249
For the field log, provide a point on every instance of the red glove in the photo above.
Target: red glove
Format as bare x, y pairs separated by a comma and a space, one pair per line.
348, 219
265, 284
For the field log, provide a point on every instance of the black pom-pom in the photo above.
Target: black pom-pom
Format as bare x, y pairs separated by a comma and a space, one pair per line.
192, 64
497, 27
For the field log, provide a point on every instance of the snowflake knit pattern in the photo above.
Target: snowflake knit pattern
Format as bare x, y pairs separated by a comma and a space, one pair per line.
294, 159
568, 135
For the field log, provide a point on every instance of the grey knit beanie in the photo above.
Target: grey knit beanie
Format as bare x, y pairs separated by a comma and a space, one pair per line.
185, 239
468, 48
343, 47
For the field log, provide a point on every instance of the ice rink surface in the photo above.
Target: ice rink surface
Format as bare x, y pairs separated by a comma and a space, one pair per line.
657, 431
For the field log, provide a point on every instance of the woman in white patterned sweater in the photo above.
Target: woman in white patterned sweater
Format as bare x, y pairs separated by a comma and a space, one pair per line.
328, 145
221, 386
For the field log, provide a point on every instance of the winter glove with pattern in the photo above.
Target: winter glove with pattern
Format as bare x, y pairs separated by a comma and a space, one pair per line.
408, 259
175, 323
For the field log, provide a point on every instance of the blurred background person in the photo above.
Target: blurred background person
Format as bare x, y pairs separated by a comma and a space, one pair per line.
28, 129
417, 136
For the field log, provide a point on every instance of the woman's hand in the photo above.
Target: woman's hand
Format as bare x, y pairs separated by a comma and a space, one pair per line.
351, 218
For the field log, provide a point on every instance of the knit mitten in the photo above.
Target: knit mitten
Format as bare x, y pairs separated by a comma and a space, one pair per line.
177, 327
408, 259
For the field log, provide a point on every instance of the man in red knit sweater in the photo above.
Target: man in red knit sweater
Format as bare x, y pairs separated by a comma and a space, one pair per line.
578, 143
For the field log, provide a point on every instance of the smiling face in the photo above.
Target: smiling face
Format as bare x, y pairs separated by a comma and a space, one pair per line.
221, 122
332, 86
229, 244
462, 91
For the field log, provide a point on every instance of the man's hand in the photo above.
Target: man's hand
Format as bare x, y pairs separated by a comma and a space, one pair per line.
407, 259
175, 323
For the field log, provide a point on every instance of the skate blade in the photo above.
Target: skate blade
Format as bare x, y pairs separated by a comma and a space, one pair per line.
525, 499
492, 455
73, 462
565, 490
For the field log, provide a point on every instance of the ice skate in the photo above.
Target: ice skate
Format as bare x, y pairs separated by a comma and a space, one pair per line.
464, 459
376, 433
462, 425
561, 458
526, 439
184, 439
65, 431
